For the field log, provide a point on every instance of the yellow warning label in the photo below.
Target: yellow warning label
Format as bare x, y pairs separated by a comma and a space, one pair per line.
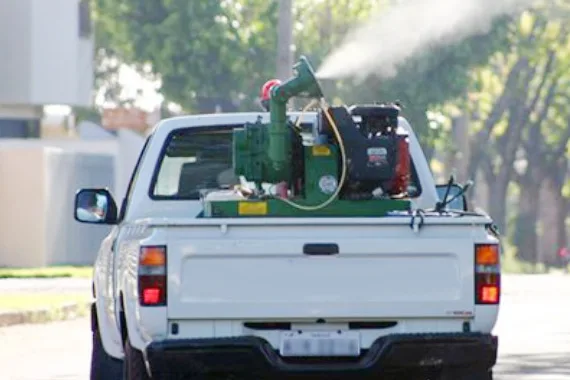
252, 208
321, 150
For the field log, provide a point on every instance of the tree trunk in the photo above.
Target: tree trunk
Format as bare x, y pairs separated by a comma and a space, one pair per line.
480, 141
460, 138
285, 39
562, 205
525, 237
480, 195
497, 206
549, 217
497, 186
553, 219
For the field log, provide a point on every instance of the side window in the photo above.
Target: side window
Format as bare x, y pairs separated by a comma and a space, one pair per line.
457, 203
133, 180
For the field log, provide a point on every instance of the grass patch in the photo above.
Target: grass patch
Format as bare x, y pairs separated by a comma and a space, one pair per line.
33, 301
42, 308
516, 266
47, 272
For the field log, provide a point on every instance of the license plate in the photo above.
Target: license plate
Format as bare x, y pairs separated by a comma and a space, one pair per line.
320, 343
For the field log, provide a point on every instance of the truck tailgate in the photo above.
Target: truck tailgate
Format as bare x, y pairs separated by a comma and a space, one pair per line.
383, 271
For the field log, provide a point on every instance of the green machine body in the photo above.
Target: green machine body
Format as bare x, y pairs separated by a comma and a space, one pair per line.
333, 169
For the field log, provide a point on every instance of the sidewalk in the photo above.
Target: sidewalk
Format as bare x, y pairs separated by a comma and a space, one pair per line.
52, 288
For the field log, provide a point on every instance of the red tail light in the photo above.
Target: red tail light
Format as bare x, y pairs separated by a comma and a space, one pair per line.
152, 276
402, 175
487, 274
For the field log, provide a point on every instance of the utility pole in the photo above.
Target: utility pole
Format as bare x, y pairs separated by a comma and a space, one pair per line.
284, 39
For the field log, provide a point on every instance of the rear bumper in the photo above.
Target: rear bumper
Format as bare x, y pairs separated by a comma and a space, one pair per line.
252, 355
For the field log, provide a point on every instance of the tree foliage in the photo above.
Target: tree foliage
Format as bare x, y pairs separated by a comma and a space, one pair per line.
206, 52
518, 111
223, 51
511, 85
427, 80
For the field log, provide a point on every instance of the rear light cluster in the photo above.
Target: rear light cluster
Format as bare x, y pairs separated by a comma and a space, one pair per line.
487, 274
152, 276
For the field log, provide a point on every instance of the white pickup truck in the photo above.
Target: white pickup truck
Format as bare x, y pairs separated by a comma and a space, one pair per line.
411, 296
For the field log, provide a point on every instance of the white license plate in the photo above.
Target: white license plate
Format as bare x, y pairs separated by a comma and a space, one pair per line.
320, 343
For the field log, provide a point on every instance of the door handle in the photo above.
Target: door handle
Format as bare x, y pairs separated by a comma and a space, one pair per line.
320, 249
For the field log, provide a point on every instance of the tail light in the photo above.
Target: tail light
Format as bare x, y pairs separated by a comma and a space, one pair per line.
402, 171
152, 276
487, 274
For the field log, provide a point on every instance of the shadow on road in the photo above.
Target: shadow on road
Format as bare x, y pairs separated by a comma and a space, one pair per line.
540, 365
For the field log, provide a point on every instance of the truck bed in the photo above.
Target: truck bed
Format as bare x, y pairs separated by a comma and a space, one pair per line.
257, 269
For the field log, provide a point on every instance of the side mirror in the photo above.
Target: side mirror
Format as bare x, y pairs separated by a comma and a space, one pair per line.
459, 203
95, 206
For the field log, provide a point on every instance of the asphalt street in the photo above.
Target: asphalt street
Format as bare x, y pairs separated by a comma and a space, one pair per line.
534, 331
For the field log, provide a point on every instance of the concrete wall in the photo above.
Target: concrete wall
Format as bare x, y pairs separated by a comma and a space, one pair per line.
36, 194
38, 181
67, 241
22, 203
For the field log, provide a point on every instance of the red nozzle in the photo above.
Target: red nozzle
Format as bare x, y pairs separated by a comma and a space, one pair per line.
266, 88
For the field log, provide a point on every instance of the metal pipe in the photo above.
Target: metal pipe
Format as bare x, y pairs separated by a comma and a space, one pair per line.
303, 83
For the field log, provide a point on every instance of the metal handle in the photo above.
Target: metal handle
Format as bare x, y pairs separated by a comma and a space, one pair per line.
320, 249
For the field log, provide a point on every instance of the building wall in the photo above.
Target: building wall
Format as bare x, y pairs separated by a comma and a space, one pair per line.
45, 60
37, 186
19, 128
38, 181
22, 201
67, 241
15, 48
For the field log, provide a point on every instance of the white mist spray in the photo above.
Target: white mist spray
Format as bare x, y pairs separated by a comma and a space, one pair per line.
406, 29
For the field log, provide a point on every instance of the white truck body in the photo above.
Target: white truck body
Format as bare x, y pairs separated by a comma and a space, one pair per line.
222, 273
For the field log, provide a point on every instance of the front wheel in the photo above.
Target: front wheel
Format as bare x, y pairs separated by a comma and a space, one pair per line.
134, 368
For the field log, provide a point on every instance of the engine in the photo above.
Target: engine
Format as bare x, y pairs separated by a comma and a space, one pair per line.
354, 161
377, 155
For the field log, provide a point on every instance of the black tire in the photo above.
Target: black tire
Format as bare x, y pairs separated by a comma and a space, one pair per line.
468, 374
134, 368
103, 366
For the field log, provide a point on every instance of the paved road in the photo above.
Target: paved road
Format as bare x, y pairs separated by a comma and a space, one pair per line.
534, 329
54, 351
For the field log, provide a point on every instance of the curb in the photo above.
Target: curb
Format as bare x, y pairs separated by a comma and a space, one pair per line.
60, 313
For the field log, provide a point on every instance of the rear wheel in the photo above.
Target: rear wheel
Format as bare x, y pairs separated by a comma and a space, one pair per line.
447, 374
134, 368
467, 374
103, 366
